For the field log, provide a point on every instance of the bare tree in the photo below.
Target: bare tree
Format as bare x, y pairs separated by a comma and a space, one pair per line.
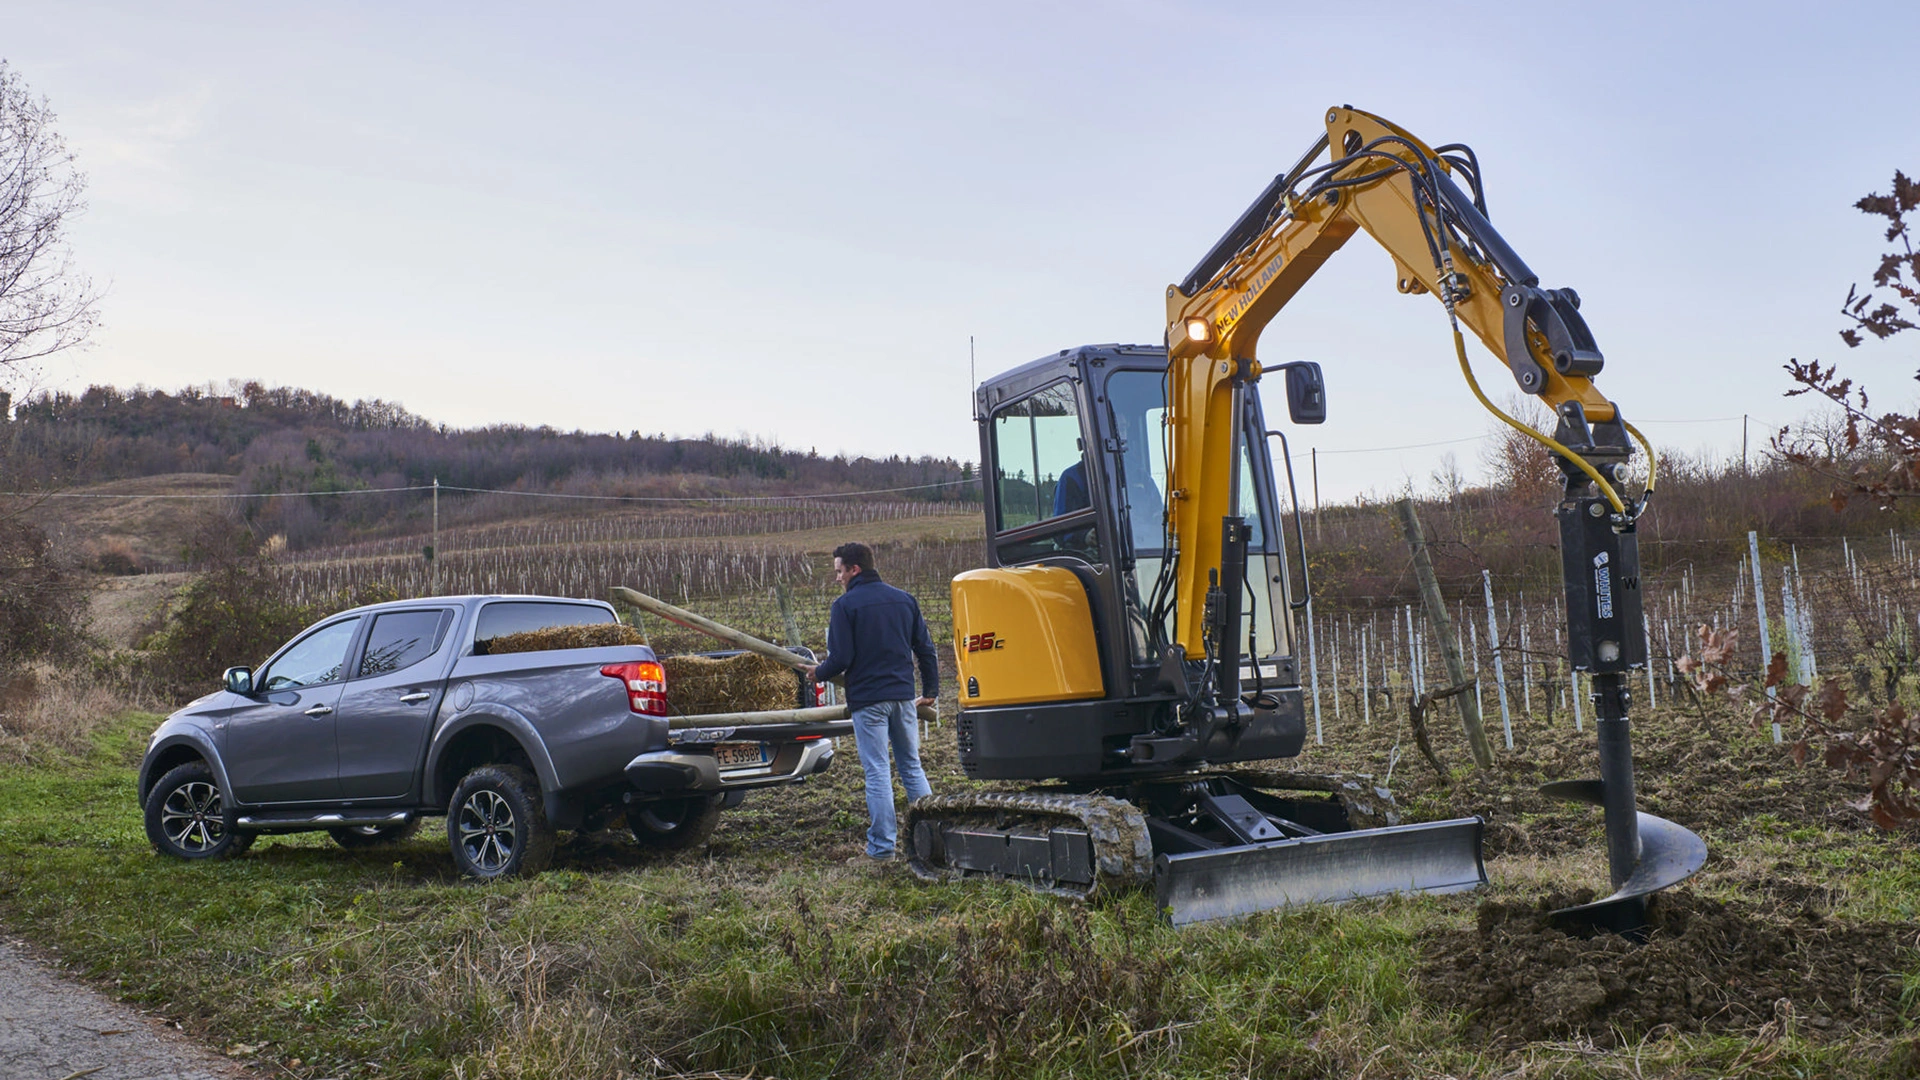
1893, 438
45, 305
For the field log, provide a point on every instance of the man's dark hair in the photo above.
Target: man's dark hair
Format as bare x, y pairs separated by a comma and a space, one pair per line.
854, 554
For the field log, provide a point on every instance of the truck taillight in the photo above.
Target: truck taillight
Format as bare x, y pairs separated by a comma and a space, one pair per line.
646, 683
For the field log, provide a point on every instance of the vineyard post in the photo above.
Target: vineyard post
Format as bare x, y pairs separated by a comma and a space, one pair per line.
1366, 682
1646, 628
1499, 663
1313, 667
1760, 610
1479, 701
1526, 662
433, 556
1573, 691
1334, 654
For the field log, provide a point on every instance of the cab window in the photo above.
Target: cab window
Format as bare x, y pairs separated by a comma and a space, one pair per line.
1039, 466
314, 659
401, 639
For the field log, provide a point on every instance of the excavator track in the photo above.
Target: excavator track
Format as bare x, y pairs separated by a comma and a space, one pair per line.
1070, 845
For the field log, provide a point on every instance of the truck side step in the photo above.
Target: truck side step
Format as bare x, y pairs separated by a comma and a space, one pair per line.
1229, 882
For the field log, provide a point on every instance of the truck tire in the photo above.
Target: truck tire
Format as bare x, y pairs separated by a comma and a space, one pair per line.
355, 837
674, 824
188, 816
497, 826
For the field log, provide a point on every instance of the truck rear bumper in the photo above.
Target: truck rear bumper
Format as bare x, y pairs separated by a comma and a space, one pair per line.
695, 768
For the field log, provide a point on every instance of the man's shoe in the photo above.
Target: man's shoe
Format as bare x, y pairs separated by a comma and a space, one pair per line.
869, 862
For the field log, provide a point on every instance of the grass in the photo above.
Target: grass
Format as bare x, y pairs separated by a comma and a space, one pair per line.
766, 956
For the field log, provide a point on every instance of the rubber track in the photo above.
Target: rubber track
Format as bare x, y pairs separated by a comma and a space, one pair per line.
1123, 852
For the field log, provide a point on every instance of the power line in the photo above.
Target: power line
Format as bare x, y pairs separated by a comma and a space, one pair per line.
499, 491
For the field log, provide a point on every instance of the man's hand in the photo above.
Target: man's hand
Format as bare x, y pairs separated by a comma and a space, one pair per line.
922, 701
808, 670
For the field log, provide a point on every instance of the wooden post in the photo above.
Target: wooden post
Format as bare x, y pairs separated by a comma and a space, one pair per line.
1443, 631
786, 613
737, 638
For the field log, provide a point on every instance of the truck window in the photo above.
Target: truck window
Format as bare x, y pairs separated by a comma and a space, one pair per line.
401, 639
314, 659
516, 616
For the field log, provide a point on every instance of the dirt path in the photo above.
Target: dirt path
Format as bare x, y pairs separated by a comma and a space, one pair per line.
53, 1028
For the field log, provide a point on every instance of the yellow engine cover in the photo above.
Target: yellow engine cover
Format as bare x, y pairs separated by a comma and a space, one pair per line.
1024, 634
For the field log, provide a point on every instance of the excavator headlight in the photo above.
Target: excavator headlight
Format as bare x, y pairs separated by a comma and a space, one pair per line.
1199, 331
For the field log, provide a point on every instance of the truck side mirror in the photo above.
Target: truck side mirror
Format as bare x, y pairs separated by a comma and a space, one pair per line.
1306, 393
239, 680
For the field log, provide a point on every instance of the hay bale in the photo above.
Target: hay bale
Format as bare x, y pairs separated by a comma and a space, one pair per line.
697, 685
592, 636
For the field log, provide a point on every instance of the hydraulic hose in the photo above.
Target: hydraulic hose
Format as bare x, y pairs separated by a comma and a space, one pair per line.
1613, 497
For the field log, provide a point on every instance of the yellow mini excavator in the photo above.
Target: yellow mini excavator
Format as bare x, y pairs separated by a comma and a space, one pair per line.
1131, 639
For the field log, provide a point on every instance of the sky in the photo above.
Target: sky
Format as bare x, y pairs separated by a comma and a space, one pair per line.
813, 224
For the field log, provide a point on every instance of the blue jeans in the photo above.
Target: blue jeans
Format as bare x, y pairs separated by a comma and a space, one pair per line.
875, 727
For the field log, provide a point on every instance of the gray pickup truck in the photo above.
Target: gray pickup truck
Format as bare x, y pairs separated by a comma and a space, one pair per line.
378, 717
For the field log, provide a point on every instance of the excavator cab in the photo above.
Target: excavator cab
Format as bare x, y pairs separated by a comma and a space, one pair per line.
1070, 672
1065, 665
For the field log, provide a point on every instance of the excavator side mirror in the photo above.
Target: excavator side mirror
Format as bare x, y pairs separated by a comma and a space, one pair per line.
1306, 393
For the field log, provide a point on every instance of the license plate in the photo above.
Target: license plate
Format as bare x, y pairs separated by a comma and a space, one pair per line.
735, 755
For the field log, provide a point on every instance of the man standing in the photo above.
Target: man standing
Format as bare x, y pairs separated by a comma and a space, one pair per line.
874, 635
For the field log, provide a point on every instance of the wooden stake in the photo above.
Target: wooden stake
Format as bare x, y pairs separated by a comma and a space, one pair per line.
1437, 617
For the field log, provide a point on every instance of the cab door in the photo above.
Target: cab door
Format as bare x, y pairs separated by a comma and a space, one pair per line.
387, 709
280, 744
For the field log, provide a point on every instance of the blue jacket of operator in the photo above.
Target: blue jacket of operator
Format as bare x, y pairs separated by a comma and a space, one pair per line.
874, 635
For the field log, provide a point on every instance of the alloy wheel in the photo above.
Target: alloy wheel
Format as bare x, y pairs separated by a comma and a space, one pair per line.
192, 816
486, 830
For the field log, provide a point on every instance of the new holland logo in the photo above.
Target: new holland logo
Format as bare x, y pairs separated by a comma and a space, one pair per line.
983, 642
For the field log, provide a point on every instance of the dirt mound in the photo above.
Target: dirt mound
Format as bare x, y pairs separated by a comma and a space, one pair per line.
1707, 967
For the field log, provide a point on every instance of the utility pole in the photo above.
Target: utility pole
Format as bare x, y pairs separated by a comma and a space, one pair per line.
1315, 451
1743, 442
433, 553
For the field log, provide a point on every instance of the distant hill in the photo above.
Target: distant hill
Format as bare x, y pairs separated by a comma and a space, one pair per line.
285, 439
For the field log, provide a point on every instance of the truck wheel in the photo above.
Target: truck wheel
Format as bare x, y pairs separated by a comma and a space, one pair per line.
355, 837
497, 825
674, 824
188, 816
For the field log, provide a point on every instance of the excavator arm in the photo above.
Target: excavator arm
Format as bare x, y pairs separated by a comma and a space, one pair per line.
1404, 194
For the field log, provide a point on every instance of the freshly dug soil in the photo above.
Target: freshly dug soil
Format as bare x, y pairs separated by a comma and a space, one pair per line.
1707, 967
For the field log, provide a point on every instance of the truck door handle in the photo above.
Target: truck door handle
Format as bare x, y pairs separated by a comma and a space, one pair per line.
418, 695
320, 710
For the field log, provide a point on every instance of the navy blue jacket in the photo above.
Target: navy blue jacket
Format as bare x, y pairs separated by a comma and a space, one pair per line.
873, 637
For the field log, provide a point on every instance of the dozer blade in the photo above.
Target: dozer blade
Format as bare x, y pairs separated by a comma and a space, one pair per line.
1439, 857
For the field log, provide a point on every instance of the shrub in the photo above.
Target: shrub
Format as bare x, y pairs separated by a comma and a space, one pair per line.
236, 612
42, 601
